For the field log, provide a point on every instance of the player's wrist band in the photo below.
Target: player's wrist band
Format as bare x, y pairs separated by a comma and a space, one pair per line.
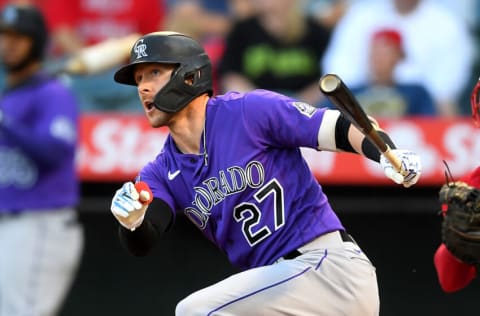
370, 151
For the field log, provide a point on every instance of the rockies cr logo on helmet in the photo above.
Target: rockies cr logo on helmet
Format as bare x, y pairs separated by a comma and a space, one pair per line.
140, 49
190, 60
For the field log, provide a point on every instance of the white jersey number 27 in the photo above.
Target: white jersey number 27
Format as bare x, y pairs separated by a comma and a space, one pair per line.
249, 214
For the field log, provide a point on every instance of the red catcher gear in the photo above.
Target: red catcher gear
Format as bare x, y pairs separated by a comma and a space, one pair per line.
475, 103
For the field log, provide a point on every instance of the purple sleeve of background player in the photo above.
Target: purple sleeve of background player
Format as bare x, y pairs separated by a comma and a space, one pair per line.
53, 134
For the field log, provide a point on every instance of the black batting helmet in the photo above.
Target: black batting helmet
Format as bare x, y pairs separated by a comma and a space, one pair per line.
171, 48
27, 20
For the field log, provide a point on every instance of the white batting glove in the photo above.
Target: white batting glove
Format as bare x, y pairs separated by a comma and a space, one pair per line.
411, 167
129, 206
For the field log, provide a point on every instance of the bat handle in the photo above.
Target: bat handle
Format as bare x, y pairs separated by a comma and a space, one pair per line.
394, 160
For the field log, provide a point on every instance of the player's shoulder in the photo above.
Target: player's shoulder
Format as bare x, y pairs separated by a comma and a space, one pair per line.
53, 86
253, 96
260, 105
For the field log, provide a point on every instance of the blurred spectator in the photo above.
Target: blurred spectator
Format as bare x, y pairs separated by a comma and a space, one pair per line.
207, 21
241, 9
467, 10
381, 95
40, 239
430, 33
78, 23
327, 12
198, 18
277, 49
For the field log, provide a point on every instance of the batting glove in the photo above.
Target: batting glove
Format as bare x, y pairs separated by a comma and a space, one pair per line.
129, 205
410, 171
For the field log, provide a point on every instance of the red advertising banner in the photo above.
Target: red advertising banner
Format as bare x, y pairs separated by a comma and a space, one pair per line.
113, 147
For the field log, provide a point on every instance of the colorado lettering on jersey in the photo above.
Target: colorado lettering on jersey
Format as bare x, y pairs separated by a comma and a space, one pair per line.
233, 180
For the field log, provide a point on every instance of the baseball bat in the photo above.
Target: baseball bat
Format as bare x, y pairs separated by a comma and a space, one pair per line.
340, 95
97, 58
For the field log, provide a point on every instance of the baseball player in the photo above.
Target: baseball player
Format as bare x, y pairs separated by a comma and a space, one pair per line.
40, 239
457, 259
232, 164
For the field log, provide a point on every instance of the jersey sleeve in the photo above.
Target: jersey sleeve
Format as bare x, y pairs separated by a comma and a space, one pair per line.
53, 133
453, 275
281, 121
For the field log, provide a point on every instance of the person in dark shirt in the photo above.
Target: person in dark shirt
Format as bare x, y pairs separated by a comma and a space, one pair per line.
278, 49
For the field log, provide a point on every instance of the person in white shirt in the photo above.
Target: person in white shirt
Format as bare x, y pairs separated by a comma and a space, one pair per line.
439, 49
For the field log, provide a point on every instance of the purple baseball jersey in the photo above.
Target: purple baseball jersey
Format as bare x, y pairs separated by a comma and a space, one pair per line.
38, 136
250, 191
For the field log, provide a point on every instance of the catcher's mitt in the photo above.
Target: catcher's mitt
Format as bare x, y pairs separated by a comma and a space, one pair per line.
461, 222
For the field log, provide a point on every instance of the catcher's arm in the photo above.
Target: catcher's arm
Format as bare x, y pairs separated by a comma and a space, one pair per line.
461, 221
453, 274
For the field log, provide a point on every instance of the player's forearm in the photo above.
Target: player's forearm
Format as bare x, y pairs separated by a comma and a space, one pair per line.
365, 147
347, 137
158, 220
142, 240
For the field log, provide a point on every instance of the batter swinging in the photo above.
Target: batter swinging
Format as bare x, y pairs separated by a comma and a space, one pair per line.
233, 166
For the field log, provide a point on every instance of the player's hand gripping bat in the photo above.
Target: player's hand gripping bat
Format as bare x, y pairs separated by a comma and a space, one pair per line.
341, 96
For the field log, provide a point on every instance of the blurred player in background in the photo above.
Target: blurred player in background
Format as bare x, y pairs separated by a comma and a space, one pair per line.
457, 259
40, 239
232, 164
78, 24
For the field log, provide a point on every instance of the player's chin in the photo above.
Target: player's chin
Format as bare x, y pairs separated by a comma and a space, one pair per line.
156, 120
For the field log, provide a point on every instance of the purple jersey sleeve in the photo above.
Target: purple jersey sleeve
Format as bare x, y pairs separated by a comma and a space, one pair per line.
282, 121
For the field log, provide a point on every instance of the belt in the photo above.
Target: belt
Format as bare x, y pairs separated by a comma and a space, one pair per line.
343, 235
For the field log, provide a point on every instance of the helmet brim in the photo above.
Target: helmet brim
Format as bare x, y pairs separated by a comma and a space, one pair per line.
125, 75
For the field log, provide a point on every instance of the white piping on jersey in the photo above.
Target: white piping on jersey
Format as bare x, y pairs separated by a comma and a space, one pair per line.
326, 132
205, 154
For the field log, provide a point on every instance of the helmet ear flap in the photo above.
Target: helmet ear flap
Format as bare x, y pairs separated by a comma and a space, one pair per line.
475, 103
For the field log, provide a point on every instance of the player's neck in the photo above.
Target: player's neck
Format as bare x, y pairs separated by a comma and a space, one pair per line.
188, 126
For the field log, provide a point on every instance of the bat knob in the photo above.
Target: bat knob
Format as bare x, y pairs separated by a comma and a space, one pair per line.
329, 83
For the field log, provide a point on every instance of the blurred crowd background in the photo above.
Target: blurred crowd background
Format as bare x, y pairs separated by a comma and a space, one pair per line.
400, 57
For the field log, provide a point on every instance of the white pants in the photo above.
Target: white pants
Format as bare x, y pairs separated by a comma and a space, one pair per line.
330, 278
39, 255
